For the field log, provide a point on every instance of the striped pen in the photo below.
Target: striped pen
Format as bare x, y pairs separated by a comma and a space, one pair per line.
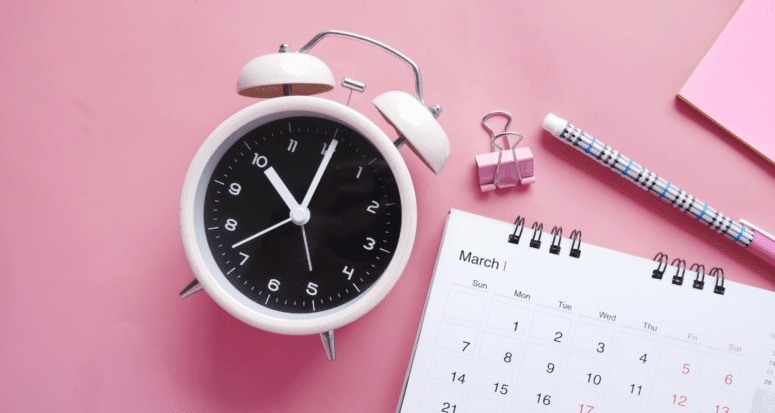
744, 233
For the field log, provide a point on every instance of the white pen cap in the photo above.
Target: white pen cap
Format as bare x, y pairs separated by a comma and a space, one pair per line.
554, 125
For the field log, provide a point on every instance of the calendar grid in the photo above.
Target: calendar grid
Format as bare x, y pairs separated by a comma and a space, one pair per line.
559, 334
597, 319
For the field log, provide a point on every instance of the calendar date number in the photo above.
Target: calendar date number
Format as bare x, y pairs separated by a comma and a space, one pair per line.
448, 408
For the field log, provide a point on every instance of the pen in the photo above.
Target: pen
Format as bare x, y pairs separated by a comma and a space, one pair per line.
744, 233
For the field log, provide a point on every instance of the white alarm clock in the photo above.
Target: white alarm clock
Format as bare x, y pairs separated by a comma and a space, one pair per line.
298, 214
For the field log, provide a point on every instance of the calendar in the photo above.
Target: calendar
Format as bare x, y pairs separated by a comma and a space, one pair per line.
522, 321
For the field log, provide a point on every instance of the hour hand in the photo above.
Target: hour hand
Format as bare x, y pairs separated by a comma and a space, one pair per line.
281, 189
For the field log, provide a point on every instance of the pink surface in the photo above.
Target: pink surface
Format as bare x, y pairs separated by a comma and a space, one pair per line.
103, 105
763, 247
734, 84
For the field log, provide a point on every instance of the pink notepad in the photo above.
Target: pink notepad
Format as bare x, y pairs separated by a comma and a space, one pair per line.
734, 85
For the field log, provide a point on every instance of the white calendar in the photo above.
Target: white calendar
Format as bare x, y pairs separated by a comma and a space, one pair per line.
514, 328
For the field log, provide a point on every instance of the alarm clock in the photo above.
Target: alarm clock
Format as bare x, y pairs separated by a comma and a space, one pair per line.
298, 214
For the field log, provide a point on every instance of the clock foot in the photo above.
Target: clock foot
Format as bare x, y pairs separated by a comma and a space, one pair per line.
328, 344
191, 288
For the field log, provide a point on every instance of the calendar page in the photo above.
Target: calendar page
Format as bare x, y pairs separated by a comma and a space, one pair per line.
510, 328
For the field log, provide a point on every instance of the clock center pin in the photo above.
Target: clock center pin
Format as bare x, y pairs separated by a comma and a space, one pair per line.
300, 215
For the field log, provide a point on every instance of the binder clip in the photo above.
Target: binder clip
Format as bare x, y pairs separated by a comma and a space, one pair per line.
504, 169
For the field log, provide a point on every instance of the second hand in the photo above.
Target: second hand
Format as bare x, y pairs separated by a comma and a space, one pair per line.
261, 233
306, 247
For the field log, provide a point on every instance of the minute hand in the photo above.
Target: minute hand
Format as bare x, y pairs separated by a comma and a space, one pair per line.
319, 173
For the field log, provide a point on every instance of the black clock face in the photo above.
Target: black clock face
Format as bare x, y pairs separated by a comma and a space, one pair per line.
302, 214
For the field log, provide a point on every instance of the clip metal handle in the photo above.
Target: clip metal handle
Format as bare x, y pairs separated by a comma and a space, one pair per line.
505, 128
497, 170
505, 134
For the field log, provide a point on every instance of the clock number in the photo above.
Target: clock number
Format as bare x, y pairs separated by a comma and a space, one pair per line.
633, 387
235, 188
349, 273
601, 347
507, 357
547, 399
358, 175
245, 259
728, 380
370, 245
550, 368
292, 146
685, 370
231, 224
467, 343
503, 389
373, 207
446, 406
643, 359
558, 337
259, 161
274, 285
312, 289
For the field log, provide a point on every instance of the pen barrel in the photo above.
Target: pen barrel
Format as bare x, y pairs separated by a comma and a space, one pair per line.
650, 182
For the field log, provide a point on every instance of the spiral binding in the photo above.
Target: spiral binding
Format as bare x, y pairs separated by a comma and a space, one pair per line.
660, 271
719, 288
520, 225
556, 238
575, 246
660, 258
699, 283
537, 230
680, 270
681, 267
535, 239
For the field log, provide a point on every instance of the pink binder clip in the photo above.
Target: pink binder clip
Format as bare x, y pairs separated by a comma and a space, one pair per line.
502, 170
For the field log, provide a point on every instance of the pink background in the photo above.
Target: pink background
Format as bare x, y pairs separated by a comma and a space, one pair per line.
735, 85
103, 105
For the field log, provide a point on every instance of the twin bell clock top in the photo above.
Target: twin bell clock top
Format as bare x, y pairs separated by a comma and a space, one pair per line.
298, 214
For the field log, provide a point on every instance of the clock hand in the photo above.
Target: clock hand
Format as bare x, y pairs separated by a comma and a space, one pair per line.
319, 173
261, 233
310, 192
281, 189
306, 247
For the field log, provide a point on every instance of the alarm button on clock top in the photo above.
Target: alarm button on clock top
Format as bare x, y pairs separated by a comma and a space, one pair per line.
302, 214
